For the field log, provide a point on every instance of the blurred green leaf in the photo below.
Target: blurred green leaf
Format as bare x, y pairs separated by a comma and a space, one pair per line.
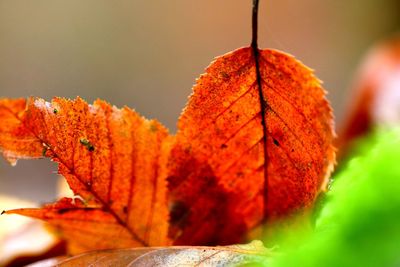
360, 223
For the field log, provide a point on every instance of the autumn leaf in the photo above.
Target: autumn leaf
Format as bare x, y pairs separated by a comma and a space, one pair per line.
16, 140
250, 149
252, 254
112, 159
258, 161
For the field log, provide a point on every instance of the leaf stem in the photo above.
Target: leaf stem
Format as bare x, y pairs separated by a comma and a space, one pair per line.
255, 24
263, 100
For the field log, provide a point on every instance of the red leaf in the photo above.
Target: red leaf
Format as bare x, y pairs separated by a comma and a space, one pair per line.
231, 167
218, 171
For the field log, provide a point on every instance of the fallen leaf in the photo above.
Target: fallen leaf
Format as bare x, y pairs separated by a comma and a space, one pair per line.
243, 156
252, 254
112, 158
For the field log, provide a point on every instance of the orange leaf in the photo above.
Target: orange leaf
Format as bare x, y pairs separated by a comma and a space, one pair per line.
231, 166
16, 141
112, 158
221, 175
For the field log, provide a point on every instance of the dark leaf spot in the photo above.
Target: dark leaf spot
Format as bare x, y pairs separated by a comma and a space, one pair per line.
178, 211
224, 75
239, 174
62, 211
276, 142
87, 144
153, 128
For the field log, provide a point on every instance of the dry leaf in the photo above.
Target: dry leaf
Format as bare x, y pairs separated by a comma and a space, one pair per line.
236, 255
112, 158
221, 138
243, 156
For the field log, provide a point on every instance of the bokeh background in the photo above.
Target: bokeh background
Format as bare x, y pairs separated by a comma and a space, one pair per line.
147, 54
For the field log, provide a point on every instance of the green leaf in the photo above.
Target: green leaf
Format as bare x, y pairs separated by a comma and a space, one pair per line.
360, 223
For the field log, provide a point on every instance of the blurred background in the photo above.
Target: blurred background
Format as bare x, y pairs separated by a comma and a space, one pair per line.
147, 54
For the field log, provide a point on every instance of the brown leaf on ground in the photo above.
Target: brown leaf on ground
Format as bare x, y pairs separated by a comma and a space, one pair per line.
235, 255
